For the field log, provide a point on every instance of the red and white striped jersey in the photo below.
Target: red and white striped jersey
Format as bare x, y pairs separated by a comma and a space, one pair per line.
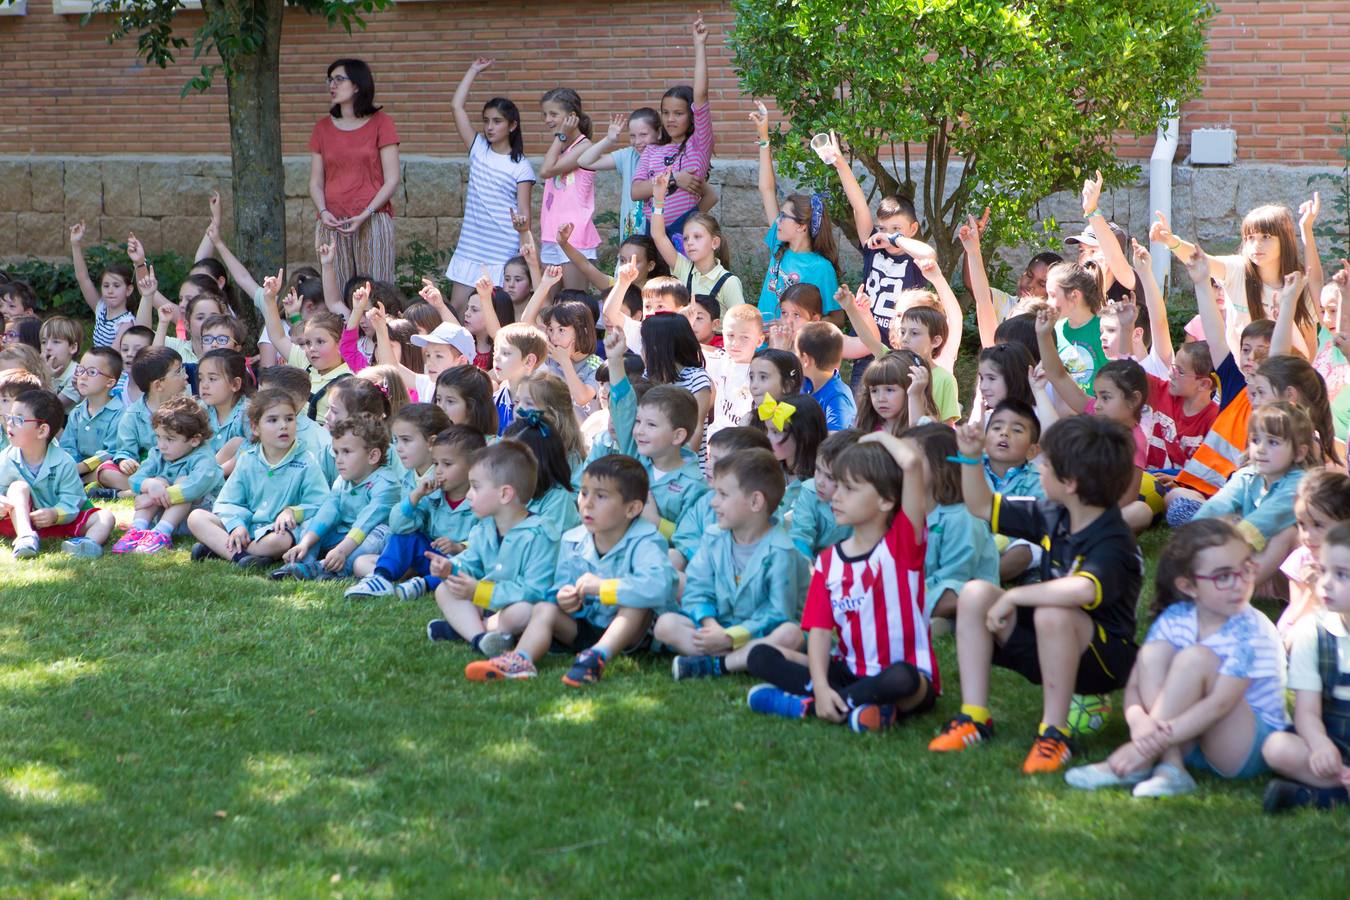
875, 603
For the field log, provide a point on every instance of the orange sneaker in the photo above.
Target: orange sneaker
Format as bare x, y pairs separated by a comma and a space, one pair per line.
507, 665
960, 732
1050, 752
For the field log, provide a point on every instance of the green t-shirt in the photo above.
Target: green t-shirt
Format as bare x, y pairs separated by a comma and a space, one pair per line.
945, 394
1081, 350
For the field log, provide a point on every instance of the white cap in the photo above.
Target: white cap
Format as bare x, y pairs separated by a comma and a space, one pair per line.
452, 335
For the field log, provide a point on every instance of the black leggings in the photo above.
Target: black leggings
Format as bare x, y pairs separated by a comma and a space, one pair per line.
897, 683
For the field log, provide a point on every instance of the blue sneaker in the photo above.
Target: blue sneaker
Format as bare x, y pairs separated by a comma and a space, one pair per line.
682, 667
440, 630
82, 547
773, 701
305, 570
871, 717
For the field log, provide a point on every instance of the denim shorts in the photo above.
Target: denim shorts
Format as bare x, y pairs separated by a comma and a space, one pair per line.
1255, 763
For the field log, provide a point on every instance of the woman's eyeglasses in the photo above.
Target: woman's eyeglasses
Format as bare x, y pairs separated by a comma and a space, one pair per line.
1227, 579
791, 218
335, 80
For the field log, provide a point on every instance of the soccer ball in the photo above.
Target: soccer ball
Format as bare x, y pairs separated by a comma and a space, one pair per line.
1088, 713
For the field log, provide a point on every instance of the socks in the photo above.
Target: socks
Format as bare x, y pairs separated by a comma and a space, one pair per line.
524, 654
978, 713
602, 653
140, 524
719, 665
164, 528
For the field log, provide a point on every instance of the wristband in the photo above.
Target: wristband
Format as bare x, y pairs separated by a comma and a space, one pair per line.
658, 210
1089, 213
762, 143
965, 460
295, 319
1176, 245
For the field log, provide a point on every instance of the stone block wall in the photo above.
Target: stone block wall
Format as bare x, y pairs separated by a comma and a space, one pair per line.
164, 201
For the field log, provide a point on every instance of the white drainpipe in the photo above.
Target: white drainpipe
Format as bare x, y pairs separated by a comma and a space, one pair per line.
1160, 190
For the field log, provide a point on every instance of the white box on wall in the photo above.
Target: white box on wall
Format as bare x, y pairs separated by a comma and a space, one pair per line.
13, 7
1213, 147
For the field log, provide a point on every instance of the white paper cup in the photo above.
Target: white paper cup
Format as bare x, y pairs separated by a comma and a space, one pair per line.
824, 148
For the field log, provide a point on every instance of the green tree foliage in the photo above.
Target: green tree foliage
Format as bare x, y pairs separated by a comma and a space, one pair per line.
1030, 94
239, 40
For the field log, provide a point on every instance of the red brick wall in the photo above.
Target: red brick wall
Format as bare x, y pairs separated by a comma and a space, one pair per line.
1274, 74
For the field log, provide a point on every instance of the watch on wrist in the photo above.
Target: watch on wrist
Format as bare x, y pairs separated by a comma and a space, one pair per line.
560, 135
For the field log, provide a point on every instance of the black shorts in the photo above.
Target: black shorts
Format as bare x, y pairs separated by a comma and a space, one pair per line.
589, 634
1104, 666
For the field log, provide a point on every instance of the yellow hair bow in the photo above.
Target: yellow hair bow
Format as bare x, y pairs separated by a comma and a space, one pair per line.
778, 413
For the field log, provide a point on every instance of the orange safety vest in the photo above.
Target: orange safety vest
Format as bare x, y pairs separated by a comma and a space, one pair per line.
1221, 453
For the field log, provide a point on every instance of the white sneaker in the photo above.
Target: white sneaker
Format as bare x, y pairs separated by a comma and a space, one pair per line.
410, 589
1100, 775
1166, 781
370, 586
26, 547
495, 643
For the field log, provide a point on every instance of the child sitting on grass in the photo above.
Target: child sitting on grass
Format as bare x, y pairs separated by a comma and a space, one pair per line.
813, 526
432, 518
1012, 436
866, 591
91, 427
275, 486
1073, 632
310, 434
180, 475
40, 494
358, 503
508, 564
612, 572
1207, 688
1315, 756
744, 580
518, 352
159, 373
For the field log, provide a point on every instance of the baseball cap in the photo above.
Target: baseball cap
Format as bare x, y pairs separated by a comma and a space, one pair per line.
1089, 239
452, 335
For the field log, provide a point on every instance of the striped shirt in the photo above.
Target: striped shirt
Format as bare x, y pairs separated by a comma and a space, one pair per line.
874, 603
692, 155
487, 235
106, 328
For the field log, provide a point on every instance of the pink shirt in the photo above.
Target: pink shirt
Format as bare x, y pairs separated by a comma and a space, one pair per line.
695, 157
352, 172
570, 198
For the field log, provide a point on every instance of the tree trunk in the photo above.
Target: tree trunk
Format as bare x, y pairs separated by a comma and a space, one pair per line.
255, 149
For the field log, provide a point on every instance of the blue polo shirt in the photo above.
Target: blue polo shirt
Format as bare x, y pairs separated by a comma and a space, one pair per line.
836, 400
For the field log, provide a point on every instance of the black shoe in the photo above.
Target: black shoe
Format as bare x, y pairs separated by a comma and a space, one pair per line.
1282, 796
201, 552
249, 561
102, 493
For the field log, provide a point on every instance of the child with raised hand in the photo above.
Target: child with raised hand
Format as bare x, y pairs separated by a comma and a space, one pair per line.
1313, 757
1322, 502
687, 155
886, 401
1074, 631
61, 339
923, 330
509, 562
612, 572
1075, 295
813, 525
656, 431
518, 352
1253, 278
572, 341
644, 127
703, 261
431, 520
180, 474
321, 354
993, 306
960, 547
1207, 687
159, 373
744, 582
464, 394
359, 502
41, 495
108, 301
312, 436
820, 346
1281, 446
275, 486
569, 187
883, 668
91, 427
800, 237
224, 385
501, 180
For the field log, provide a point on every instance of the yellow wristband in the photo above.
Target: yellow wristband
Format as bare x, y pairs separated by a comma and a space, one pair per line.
482, 595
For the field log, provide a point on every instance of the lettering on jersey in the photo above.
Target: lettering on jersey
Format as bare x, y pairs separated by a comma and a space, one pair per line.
849, 604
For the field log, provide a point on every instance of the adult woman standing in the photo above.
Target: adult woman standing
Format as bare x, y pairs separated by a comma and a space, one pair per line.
354, 171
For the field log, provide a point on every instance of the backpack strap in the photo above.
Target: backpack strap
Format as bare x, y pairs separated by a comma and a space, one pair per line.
316, 397
712, 295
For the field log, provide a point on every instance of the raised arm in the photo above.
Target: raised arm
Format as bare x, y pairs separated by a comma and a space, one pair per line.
151, 298
613, 313
1308, 211
1160, 334
660, 183
206, 249
586, 267
951, 309
529, 252
916, 395
913, 492
241, 275
384, 348
462, 122
768, 185
859, 311
276, 331
1161, 232
857, 200
87, 289
979, 499
598, 156
1282, 340
700, 61
483, 287
1199, 267
547, 282
436, 300
986, 317
1066, 388
1106, 240
332, 291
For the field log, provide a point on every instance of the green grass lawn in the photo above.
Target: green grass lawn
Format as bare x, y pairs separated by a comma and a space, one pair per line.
178, 728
